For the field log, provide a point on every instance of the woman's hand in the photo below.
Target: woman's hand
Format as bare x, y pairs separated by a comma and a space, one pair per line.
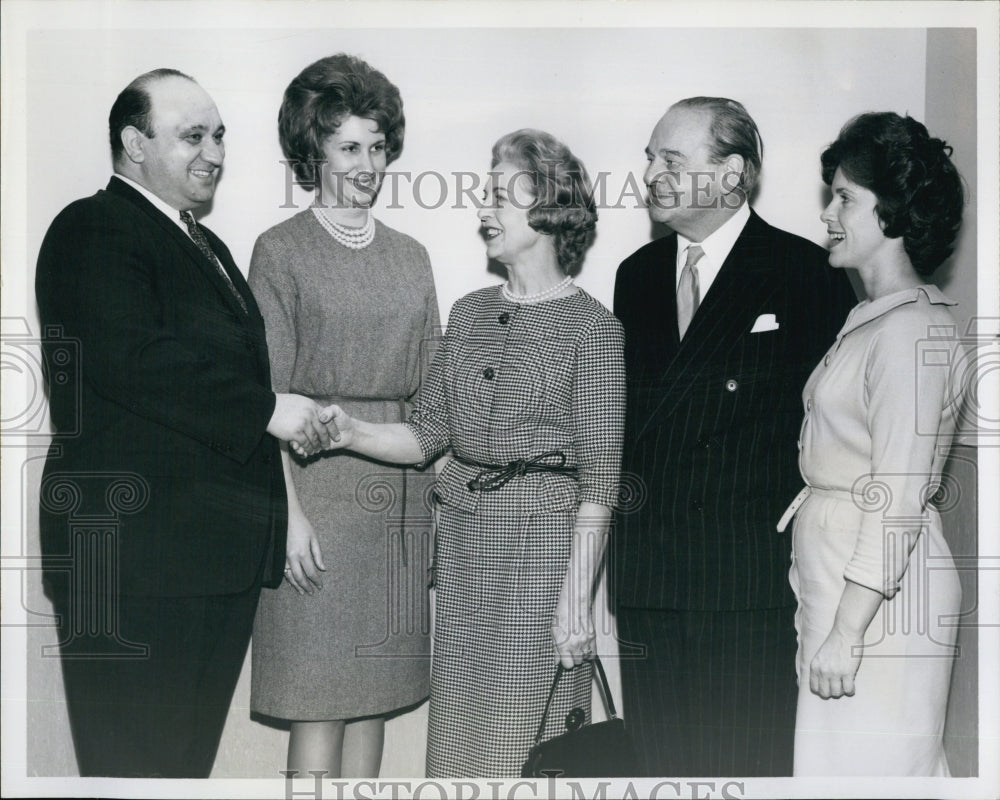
303, 559
833, 668
573, 632
573, 621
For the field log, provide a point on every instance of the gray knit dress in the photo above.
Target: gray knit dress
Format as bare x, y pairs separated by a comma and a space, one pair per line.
351, 326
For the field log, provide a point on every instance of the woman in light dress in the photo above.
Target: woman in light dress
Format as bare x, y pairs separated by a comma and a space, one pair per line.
877, 588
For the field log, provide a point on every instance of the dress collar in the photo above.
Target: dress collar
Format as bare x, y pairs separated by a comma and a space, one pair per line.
868, 310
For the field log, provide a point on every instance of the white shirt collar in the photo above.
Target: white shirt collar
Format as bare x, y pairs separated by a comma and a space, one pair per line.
717, 247
169, 210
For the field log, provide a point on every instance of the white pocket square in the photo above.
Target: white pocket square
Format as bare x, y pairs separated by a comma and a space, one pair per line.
765, 323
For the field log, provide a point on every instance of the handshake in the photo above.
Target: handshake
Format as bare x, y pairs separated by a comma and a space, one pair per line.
304, 424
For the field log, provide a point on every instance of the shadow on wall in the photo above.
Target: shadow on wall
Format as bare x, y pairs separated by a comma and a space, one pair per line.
961, 732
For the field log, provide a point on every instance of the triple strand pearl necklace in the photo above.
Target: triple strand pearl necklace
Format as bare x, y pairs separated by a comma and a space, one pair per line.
537, 297
353, 238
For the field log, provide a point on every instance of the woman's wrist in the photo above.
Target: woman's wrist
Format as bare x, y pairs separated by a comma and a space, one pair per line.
848, 630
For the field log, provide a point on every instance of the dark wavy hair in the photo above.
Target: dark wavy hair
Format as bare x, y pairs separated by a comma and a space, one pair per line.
134, 108
564, 204
322, 96
733, 132
919, 193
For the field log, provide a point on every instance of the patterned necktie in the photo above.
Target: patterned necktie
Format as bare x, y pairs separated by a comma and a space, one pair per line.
198, 236
688, 291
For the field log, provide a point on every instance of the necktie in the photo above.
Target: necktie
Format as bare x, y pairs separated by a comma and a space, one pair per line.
688, 291
198, 236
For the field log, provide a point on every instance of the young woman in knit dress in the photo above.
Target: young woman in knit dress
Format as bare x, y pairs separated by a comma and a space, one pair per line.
349, 305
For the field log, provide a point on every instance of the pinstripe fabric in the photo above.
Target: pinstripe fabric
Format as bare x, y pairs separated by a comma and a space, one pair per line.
711, 424
716, 693
512, 382
710, 444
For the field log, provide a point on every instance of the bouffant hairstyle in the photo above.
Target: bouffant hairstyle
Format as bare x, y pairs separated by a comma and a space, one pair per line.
733, 132
321, 97
133, 108
564, 205
919, 193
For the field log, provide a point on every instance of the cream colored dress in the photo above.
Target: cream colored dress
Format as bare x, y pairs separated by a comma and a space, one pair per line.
880, 415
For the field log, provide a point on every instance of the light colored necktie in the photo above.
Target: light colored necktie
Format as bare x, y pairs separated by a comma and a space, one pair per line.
688, 291
199, 238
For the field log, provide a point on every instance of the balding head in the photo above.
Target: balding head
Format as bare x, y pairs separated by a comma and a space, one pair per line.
178, 152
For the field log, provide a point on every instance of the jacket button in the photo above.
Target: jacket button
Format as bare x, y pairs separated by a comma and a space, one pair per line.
488, 373
504, 318
697, 505
809, 404
731, 385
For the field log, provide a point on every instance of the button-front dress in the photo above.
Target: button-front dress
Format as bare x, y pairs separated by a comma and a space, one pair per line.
881, 410
351, 326
512, 382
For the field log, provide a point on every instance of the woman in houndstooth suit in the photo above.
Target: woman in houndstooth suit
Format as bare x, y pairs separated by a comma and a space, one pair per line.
527, 390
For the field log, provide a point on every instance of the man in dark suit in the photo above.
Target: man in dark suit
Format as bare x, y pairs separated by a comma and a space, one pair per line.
163, 506
724, 320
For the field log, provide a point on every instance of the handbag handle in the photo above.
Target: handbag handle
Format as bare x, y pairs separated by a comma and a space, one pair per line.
609, 703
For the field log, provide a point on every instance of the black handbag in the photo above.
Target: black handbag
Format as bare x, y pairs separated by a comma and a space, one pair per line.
598, 750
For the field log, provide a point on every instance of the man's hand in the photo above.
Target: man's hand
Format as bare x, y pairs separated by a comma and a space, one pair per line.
296, 420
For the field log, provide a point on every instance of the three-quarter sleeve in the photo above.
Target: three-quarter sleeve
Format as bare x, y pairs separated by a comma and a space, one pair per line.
908, 401
430, 334
429, 420
274, 289
598, 410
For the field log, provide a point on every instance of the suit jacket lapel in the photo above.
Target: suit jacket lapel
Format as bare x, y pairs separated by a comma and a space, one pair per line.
174, 231
741, 290
239, 282
669, 267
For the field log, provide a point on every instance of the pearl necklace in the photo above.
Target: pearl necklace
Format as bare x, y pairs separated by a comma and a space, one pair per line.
537, 297
353, 238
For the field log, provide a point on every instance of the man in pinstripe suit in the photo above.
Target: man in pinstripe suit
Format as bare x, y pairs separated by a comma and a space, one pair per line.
724, 320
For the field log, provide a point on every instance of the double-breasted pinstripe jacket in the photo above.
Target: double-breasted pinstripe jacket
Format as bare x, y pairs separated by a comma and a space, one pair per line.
712, 421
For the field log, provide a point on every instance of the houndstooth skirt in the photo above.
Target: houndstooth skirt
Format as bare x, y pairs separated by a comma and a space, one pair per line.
497, 582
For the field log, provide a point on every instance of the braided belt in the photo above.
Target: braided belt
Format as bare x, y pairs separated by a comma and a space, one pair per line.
494, 476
